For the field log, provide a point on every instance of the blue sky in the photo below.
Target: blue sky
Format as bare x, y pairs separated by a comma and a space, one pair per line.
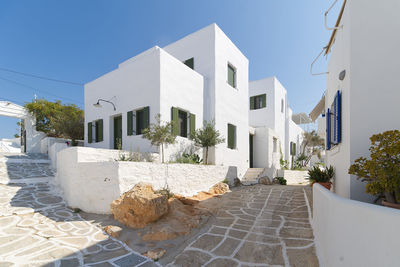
81, 40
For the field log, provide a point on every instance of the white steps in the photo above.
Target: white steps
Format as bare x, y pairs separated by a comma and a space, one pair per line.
251, 176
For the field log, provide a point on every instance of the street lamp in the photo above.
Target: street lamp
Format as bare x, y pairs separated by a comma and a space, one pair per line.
98, 105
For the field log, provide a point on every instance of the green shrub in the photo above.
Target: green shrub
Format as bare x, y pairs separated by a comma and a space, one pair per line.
189, 158
318, 175
382, 170
281, 180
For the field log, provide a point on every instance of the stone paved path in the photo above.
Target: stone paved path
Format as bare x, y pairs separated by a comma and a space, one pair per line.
263, 226
38, 229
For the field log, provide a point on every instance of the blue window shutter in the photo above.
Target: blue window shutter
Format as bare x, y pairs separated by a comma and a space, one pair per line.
335, 128
339, 117
328, 129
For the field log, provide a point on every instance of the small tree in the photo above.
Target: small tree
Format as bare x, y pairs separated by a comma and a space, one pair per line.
207, 137
160, 134
70, 122
382, 170
58, 120
312, 145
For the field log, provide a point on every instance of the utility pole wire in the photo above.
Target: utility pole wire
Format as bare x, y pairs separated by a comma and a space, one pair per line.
40, 77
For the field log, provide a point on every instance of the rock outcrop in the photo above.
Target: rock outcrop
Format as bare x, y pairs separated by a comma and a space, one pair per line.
139, 206
219, 189
113, 230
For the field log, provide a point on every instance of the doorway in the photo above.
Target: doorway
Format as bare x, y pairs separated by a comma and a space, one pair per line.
118, 132
251, 150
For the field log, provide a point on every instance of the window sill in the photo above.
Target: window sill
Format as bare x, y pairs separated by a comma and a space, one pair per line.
334, 150
234, 87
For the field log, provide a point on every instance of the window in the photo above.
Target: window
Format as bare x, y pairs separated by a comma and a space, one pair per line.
183, 118
183, 122
138, 120
231, 136
282, 106
189, 63
275, 144
231, 75
334, 122
292, 148
98, 130
258, 101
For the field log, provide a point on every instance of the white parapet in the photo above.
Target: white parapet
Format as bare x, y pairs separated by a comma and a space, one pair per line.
353, 233
92, 178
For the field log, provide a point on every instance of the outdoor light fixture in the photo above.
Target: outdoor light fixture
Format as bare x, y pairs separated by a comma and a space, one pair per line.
98, 105
342, 74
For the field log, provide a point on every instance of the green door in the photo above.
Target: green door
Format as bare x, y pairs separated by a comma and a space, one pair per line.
251, 150
118, 132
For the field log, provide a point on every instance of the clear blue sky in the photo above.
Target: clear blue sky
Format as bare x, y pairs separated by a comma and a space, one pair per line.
81, 40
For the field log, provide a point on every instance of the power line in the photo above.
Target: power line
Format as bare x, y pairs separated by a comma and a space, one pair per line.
40, 77
30, 87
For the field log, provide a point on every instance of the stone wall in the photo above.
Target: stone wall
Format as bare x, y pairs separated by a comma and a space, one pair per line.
91, 178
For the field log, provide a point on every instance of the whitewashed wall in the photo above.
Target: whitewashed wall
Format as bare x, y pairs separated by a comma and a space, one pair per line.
153, 78
92, 179
53, 151
367, 50
212, 50
294, 177
352, 233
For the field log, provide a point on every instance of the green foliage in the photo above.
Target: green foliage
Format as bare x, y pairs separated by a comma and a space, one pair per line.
134, 156
165, 192
160, 134
58, 120
190, 158
281, 180
318, 175
382, 170
312, 145
207, 137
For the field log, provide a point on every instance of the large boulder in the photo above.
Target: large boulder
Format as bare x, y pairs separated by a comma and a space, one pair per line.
139, 206
264, 180
219, 189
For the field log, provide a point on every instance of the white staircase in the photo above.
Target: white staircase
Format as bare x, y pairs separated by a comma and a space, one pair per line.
251, 176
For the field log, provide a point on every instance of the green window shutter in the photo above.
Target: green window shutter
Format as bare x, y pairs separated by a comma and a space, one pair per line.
146, 117
231, 136
90, 133
100, 131
130, 122
192, 125
175, 120
264, 100
189, 63
252, 103
231, 76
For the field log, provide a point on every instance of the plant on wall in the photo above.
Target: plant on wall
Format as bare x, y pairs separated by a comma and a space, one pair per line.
160, 134
382, 170
207, 137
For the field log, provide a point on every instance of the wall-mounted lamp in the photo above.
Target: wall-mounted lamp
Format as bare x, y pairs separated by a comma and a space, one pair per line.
98, 105
342, 74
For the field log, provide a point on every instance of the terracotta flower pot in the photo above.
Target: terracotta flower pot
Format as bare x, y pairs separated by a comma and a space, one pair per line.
327, 185
391, 205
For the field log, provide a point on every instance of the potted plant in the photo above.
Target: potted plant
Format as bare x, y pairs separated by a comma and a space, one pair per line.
382, 170
321, 176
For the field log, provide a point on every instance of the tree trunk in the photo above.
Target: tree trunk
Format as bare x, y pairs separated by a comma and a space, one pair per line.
162, 152
206, 155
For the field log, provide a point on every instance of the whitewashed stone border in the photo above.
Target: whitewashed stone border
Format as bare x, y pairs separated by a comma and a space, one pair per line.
91, 183
294, 177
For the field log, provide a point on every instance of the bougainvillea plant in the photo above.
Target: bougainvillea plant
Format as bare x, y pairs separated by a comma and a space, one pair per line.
382, 170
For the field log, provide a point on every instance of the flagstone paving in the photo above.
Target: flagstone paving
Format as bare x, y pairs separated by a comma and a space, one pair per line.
262, 226
38, 229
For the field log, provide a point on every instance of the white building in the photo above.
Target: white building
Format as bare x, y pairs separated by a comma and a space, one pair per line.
362, 92
276, 135
203, 76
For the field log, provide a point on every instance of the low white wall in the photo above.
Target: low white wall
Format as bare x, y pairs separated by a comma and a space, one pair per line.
91, 179
52, 152
294, 177
353, 233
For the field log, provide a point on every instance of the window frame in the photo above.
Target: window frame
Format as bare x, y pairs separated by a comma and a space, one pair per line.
233, 68
234, 145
